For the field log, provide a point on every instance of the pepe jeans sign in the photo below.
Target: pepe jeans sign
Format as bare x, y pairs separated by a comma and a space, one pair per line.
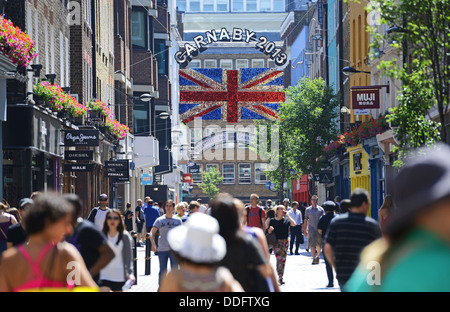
236, 35
81, 138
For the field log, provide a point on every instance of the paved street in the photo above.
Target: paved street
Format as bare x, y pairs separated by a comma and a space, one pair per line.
300, 275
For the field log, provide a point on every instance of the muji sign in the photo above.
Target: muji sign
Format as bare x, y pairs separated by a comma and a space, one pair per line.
365, 98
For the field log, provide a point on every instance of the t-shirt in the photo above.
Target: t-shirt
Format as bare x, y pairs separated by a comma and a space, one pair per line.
324, 222
164, 225
151, 214
113, 271
419, 264
87, 239
16, 234
281, 227
253, 216
313, 216
296, 216
348, 234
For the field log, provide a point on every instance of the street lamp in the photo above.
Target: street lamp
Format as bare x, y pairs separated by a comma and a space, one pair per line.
348, 71
164, 115
145, 97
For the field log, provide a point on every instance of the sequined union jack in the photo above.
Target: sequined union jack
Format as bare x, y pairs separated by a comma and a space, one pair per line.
230, 95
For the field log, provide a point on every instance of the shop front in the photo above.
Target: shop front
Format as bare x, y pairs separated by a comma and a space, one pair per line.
359, 172
31, 152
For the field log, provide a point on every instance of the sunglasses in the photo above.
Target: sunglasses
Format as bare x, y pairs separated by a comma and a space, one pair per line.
112, 218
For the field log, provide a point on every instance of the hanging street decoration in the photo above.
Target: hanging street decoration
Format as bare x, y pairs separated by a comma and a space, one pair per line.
201, 42
230, 95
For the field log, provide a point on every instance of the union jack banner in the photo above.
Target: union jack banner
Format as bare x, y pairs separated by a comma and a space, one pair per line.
231, 95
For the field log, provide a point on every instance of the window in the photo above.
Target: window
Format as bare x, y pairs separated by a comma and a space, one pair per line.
251, 5
238, 5
278, 5
194, 5
264, 5
181, 5
161, 53
241, 64
222, 5
258, 63
245, 173
229, 143
228, 174
209, 166
210, 63
196, 172
195, 64
226, 64
208, 5
271, 64
138, 35
260, 175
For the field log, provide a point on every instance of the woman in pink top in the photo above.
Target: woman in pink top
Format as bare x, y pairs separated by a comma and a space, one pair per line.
45, 262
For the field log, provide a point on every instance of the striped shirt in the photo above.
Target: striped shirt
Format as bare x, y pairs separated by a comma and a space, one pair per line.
348, 234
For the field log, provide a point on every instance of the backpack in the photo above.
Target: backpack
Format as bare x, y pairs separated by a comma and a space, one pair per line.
260, 214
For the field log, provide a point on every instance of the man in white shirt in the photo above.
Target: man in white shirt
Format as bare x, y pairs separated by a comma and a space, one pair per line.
98, 214
202, 207
296, 231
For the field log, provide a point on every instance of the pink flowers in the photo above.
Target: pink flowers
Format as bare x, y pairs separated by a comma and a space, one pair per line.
16, 44
58, 99
366, 130
116, 128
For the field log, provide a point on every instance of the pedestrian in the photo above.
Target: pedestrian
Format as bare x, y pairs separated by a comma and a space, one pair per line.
337, 201
312, 217
128, 218
118, 271
90, 242
202, 207
256, 216
44, 262
98, 214
385, 211
268, 205
280, 225
139, 219
324, 222
181, 210
164, 224
348, 234
194, 206
295, 231
244, 257
199, 248
6, 220
151, 213
286, 203
16, 233
415, 256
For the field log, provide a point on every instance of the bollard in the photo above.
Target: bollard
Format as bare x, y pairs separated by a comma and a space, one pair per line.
134, 235
148, 258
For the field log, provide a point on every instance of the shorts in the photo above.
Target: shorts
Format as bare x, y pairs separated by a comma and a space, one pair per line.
140, 226
114, 286
315, 239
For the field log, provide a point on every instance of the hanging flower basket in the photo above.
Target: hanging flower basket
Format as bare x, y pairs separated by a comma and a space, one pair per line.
108, 123
16, 44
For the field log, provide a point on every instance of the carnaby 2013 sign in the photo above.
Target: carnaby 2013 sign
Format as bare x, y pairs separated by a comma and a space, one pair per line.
201, 41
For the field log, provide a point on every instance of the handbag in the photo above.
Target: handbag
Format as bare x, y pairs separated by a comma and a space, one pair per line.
271, 239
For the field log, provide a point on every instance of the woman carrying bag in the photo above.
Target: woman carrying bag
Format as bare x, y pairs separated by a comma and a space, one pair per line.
280, 226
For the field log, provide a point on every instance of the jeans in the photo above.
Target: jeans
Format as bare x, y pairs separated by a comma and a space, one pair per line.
164, 257
296, 236
329, 269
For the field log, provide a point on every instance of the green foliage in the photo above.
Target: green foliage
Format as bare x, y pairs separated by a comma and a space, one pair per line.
307, 122
422, 35
211, 180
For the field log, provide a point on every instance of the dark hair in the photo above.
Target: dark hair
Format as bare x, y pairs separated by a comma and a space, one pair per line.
194, 204
76, 202
120, 226
128, 205
346, 204
47, 208
227, 214
270, 213
358, 197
